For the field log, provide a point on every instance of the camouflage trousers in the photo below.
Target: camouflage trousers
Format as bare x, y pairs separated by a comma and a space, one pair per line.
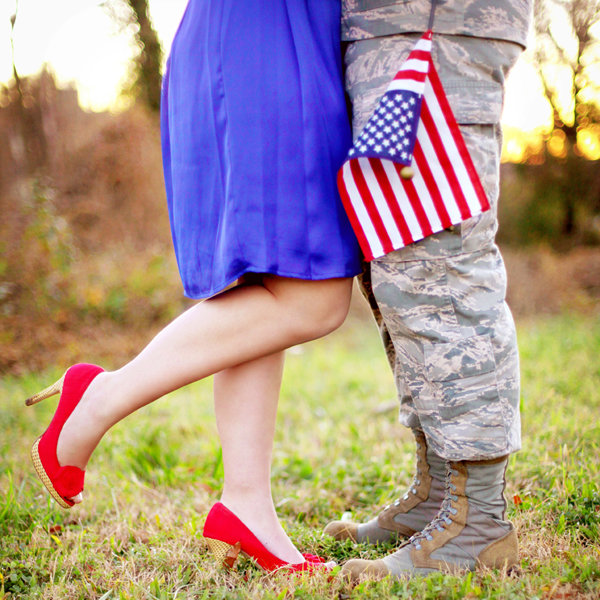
440, 303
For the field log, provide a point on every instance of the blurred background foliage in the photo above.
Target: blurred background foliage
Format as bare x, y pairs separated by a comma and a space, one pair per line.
87, 269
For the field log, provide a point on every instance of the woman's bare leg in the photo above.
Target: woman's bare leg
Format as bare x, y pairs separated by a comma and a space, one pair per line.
236, 327
246, 400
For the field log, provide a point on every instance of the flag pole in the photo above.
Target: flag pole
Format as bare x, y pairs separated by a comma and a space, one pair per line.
434, 4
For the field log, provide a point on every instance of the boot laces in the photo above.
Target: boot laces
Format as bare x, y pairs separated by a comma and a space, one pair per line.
444, 516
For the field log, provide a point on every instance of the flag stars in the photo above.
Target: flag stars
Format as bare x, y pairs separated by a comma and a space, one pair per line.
387, 133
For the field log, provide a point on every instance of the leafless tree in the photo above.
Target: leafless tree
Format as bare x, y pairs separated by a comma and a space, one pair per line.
147, 67
567, 49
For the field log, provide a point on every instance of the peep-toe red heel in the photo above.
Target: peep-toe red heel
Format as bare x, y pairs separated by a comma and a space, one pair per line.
66, 482
227, 537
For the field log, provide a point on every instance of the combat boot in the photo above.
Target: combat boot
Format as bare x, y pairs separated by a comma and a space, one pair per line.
470, 529
408, 514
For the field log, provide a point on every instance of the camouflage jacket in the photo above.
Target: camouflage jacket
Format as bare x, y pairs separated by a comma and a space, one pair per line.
498, 19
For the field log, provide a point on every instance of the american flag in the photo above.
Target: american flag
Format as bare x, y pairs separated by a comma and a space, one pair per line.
409, 173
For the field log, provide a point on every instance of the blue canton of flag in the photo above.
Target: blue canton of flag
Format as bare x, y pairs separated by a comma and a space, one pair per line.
391, 132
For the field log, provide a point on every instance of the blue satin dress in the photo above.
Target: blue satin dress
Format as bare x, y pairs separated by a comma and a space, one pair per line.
254, 128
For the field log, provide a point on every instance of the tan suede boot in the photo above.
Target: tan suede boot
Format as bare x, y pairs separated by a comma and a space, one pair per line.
468, 531
408, 514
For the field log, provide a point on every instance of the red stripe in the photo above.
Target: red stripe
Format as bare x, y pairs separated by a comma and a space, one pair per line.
436, 84
392, 201
413, 198
432, 186
365, 194
408, 74
356, 226
445, 162
419, 55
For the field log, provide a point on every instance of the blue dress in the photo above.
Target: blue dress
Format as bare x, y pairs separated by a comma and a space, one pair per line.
254, 128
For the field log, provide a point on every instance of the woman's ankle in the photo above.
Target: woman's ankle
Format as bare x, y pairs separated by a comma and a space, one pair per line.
85, 427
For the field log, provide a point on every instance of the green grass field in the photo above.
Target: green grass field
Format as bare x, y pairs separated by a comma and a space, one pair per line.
153, 479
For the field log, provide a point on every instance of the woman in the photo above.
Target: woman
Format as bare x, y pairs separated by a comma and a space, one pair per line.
254, 128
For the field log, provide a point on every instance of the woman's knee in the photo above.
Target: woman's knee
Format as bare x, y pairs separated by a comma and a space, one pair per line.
313, 308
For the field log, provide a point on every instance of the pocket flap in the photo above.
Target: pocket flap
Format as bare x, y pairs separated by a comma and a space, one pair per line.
474, 102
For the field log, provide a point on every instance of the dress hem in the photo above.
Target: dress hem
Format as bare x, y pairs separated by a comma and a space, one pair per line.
227, 282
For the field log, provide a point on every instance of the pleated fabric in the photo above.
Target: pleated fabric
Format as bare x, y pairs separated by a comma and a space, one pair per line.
254, 128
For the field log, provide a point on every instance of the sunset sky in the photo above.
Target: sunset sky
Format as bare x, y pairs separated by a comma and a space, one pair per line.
81, 44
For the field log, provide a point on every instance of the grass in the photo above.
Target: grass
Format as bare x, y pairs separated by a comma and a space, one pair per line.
153, 479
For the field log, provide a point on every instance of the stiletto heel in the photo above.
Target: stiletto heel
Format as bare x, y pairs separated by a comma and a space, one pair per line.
227, 536
62, 482
55, 388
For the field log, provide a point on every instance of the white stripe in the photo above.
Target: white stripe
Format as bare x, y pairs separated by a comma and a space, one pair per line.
416, 64
403, 202
382, 206
407, 84
361, 212
451, 149
423, 45
438, 174
426, 201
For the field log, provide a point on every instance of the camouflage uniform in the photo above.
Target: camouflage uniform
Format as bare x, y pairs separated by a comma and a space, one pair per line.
440, 303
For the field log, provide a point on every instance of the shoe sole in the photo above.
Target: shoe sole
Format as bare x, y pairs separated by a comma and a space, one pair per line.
41, 473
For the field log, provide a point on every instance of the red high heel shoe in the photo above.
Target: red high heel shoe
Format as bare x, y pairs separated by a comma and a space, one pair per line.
227, 536
66, 482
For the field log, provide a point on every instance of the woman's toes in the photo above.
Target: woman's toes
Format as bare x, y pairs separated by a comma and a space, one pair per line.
77, 499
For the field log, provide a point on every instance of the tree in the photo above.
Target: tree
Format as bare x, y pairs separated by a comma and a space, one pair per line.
567, 49
147, 66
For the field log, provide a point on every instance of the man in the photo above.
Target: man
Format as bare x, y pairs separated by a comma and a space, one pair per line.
440, 303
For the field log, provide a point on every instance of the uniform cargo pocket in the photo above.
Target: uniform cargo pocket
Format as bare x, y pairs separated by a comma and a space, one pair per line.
463, 378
